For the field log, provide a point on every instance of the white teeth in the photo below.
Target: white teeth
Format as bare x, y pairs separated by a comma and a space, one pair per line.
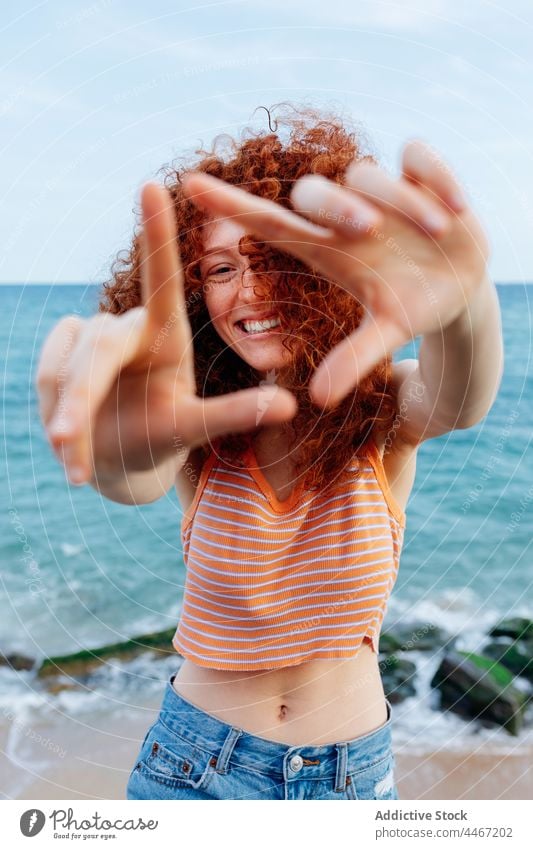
260, 326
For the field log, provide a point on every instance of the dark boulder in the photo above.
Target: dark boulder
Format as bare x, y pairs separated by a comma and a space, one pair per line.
398, 676
17, 662
477, 687
517, 627
389, 642
515, 655
414, 636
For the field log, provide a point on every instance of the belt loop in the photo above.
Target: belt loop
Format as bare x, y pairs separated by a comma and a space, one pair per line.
342, 762
227, 749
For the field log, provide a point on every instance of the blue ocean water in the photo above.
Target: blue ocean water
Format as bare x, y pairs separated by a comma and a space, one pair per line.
78, 570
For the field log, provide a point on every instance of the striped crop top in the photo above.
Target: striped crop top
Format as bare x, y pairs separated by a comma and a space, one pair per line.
271, 584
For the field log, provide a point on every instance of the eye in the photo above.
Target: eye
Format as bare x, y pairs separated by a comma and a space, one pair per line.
221, 274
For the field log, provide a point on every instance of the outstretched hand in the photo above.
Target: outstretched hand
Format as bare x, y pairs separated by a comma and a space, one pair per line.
117, 392
409, 249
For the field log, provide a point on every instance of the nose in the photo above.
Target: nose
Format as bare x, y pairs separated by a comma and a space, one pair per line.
253, 286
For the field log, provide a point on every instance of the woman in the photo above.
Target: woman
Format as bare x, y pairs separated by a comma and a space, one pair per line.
243, 353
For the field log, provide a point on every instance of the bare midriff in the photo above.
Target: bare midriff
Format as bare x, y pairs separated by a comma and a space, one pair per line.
319, 702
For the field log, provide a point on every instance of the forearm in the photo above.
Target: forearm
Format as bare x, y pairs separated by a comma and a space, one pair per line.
461, 366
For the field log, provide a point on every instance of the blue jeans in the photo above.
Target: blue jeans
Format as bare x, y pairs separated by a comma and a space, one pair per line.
190, 754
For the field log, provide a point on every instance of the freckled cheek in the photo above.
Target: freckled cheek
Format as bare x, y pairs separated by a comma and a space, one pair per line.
218, 310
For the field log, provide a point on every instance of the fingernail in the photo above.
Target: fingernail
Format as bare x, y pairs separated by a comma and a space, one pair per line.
309, 191
76, 475
60, 427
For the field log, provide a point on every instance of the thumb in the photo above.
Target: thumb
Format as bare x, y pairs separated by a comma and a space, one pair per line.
353, 359
238, 412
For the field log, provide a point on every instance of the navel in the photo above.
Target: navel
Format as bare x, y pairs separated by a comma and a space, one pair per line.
283, 711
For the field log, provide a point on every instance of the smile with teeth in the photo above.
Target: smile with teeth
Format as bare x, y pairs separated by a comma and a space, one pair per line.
252, 327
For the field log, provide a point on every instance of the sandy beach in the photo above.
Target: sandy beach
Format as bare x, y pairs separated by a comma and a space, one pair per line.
92, 760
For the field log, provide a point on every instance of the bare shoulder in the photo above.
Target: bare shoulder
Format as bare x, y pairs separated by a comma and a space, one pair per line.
398, 456
187, 477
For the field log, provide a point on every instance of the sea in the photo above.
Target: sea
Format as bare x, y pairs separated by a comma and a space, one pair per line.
79, 571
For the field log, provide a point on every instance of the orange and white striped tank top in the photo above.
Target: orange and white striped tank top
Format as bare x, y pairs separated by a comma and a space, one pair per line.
272, 584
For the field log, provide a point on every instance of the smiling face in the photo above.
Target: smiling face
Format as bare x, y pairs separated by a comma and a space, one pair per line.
245, 321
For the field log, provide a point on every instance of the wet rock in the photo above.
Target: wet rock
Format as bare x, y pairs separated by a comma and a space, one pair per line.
415, 636
515, 655
517, 627
398, 676
478, 687
17, 661
59, 685
389, 642
80, 663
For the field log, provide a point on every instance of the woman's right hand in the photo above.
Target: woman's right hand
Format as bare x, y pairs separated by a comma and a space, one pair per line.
117, 392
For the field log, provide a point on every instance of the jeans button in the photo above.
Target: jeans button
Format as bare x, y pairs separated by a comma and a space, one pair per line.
296, 763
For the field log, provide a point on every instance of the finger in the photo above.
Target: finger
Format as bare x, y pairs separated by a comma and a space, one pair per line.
162, 277
200, 420
272, 222
353, 359
55, 353
398, 197
334, 206
423, 165
107, 346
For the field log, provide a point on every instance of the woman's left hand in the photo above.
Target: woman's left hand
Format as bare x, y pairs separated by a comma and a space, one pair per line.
410, 250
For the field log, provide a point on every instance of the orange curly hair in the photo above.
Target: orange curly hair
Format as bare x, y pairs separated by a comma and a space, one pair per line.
267, 164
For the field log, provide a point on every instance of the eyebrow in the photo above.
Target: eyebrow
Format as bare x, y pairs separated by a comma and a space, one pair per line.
218, 249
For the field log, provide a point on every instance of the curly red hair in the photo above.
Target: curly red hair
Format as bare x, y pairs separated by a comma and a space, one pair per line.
315, 311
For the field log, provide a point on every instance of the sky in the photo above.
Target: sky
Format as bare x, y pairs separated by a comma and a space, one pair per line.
96, 96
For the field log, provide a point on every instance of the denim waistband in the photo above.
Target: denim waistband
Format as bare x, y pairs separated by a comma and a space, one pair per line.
228, 742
